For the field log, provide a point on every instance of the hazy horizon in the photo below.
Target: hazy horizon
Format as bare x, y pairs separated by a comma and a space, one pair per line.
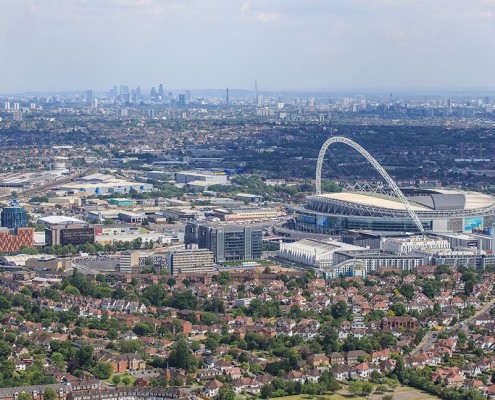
290, 45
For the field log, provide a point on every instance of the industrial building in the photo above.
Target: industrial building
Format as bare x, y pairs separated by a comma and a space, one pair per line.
191, 176
191, 261
60, 220
227, 242
250, 198
104, 184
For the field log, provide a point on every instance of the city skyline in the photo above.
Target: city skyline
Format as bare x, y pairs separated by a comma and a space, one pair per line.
315, 45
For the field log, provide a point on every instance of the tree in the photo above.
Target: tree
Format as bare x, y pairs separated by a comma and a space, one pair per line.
116, 379
224, 277
366, 388
381, 388
142, 329
84, 357
57, 360
400, 369
182, 357
340, 310
266, 391
407, 291
226, 393
355, 387
5, 350
398, 309
102, 370
49, 394
24, 396
126, 380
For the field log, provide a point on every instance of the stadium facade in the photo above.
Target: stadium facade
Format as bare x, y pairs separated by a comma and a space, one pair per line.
403, 210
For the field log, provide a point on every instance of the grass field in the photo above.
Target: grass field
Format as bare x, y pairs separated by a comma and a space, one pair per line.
132, 378
401, 393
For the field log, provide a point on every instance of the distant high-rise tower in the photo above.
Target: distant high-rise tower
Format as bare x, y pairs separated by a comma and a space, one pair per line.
89, 97
188, 95
227, 100
255, 90
161, 92
182, 99
153, 93
151, 113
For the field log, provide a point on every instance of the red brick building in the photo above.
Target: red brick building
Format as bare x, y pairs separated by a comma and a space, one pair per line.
23, 237
408, 323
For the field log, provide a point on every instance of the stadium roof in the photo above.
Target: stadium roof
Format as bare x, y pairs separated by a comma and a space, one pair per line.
437, 200
370, 200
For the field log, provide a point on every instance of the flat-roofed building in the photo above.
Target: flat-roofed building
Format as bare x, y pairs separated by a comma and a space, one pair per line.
406, 245
60, 220
13, 242
316, 253
227, 242
242, 214
190, 176
191, 261
376, 259
48, 263
69, 234
129, 260
251, 198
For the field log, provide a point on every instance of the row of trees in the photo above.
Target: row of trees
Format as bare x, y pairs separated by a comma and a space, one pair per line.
90, 248
280, 387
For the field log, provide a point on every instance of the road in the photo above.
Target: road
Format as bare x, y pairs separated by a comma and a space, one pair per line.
428, 340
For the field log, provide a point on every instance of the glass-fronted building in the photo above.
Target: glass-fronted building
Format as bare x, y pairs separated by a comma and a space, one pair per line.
14, 217
227, 242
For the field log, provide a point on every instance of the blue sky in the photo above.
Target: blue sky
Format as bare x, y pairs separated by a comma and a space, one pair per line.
284, 44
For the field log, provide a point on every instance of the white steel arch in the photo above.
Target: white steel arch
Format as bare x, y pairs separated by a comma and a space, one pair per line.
374, 163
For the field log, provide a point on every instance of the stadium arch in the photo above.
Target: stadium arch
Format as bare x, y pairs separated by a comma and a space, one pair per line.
375, 164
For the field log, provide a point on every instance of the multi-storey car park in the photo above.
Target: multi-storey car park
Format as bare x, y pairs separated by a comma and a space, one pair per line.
406, 210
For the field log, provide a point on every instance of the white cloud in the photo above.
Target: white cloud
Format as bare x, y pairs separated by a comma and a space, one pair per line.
266, 18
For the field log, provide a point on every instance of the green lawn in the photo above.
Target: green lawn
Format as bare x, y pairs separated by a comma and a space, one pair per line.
132, 378
401, 393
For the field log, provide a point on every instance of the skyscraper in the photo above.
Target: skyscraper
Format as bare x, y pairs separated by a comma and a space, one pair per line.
255, 90
89, 97
14, 217
227, 100
161, 92
182, 99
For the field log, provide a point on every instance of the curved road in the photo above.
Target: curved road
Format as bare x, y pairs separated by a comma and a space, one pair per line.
428, 340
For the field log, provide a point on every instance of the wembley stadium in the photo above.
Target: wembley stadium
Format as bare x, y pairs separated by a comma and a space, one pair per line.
437, 210
398, 210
